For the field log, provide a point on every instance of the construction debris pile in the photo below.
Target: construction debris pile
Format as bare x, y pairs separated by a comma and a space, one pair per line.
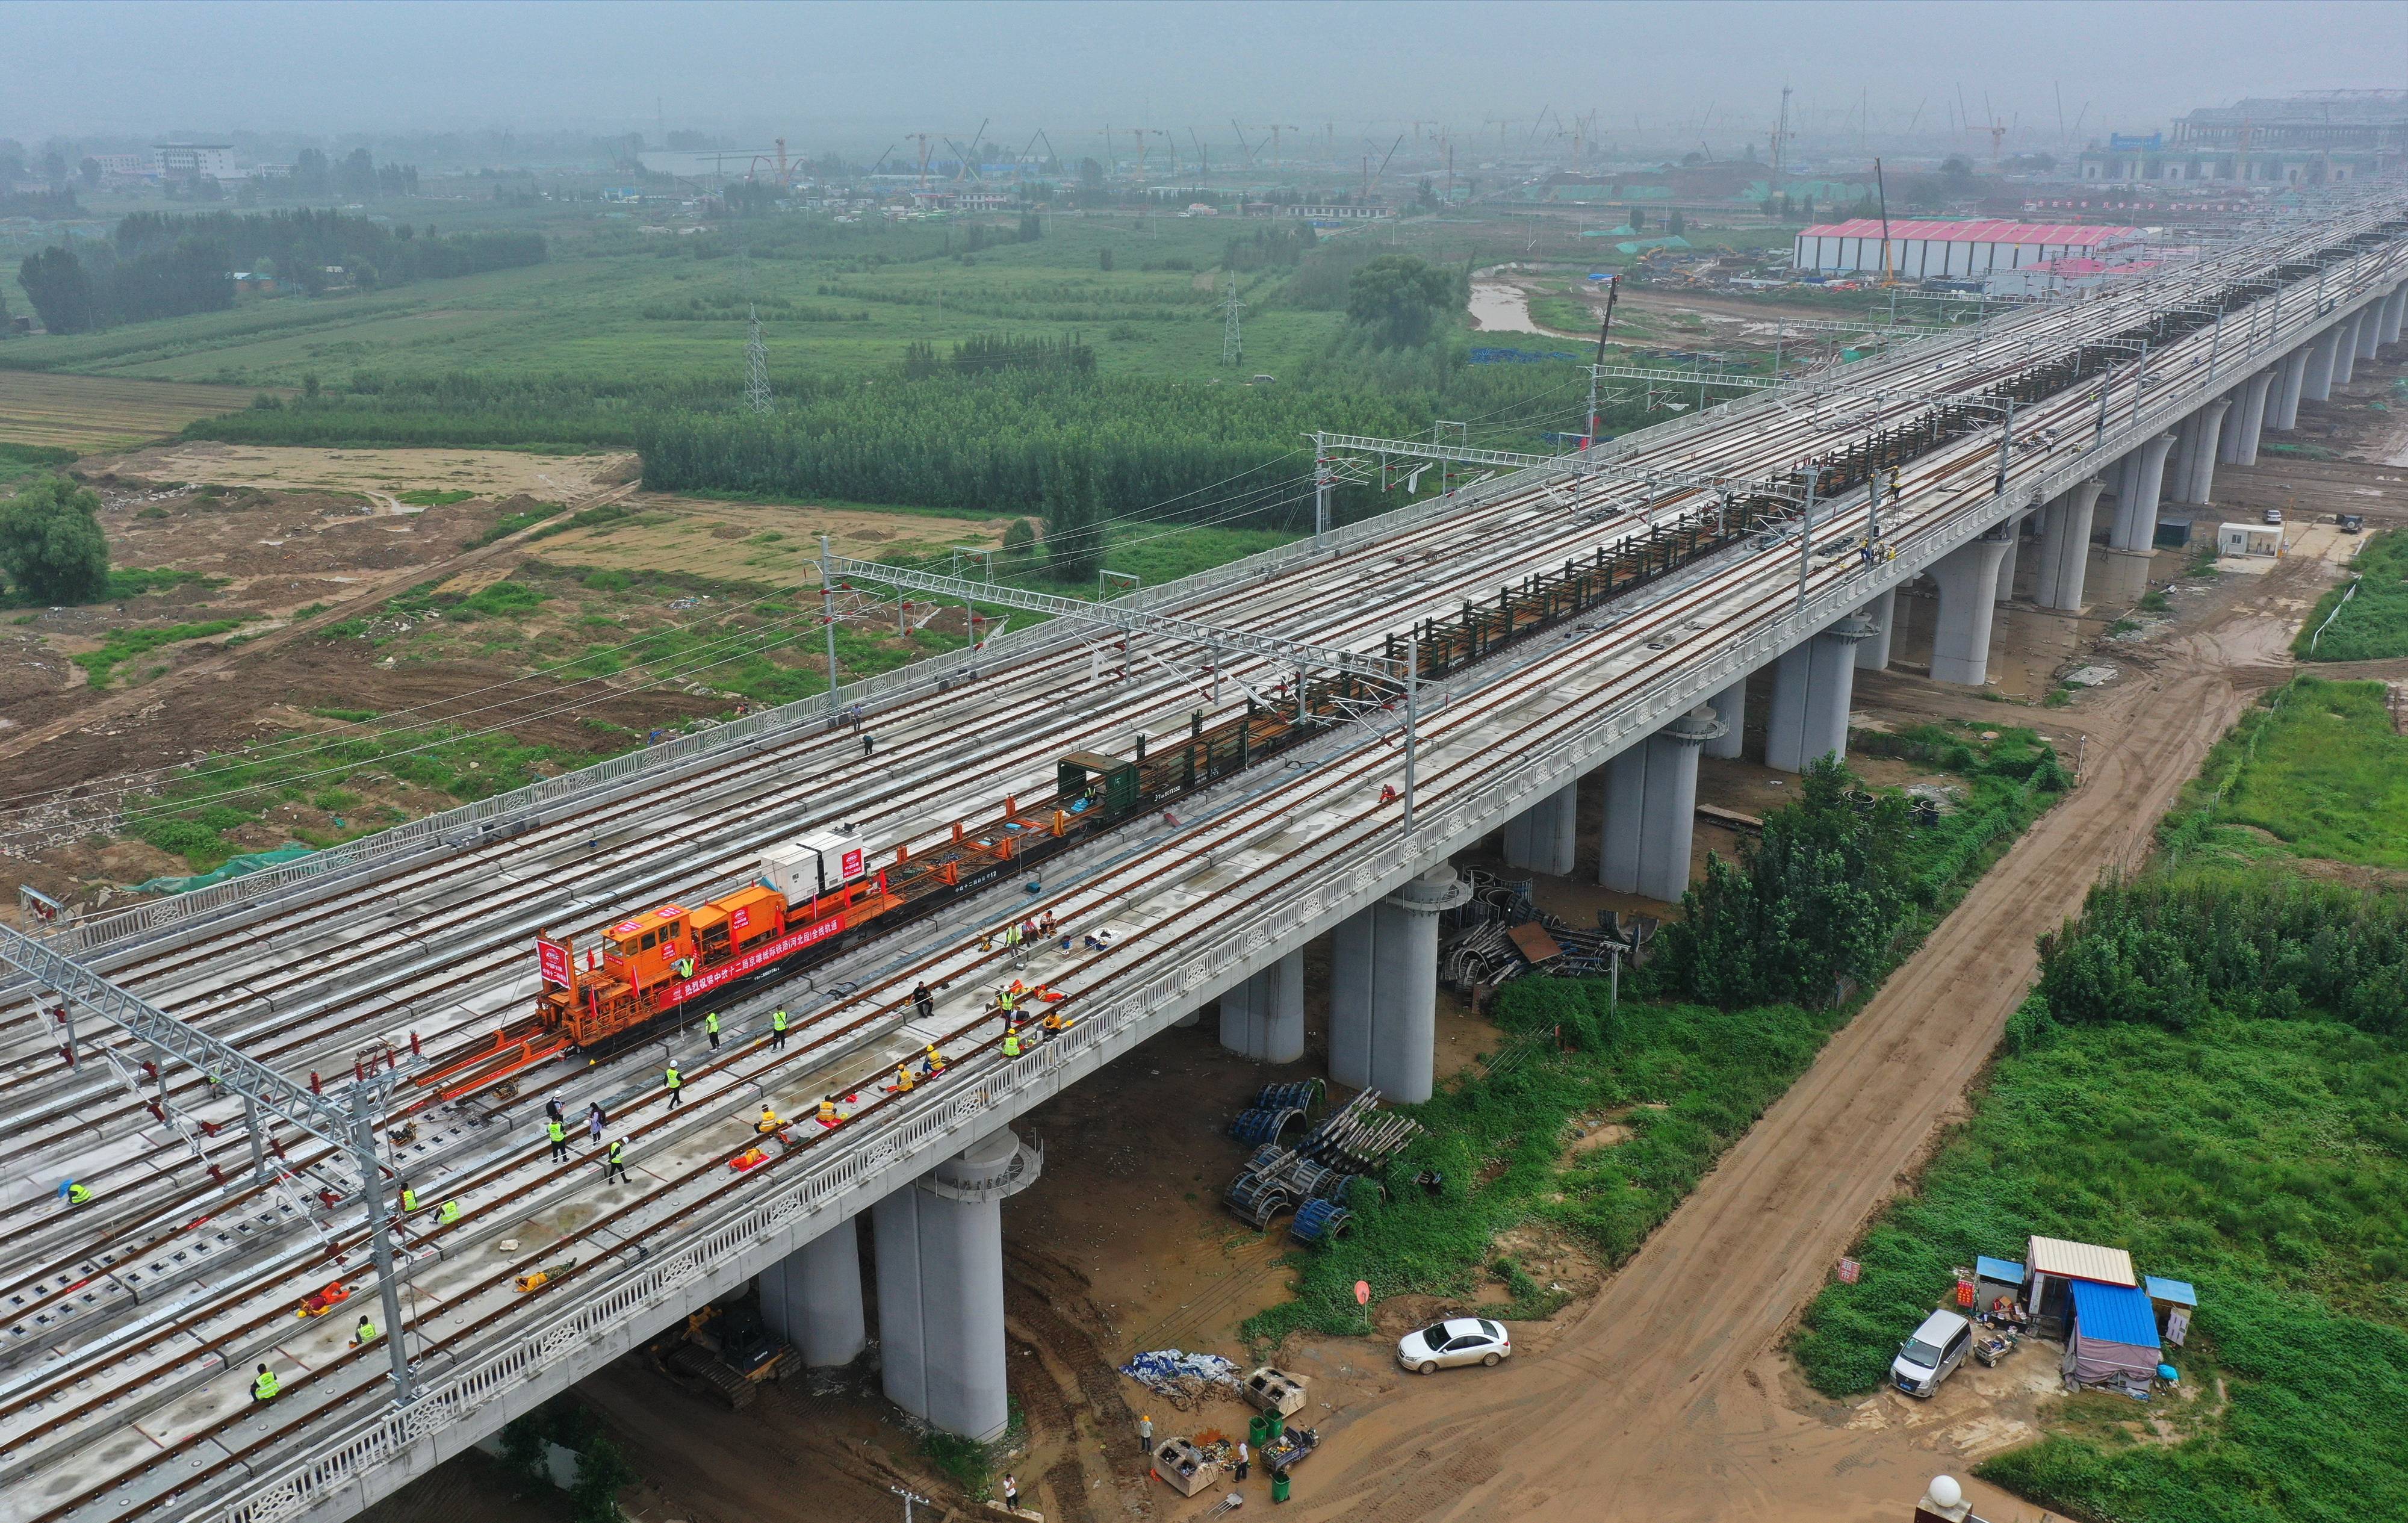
1182, 1379
1500, 935
1314, 1178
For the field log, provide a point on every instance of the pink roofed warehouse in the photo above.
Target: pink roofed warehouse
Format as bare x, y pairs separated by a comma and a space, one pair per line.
1920, 250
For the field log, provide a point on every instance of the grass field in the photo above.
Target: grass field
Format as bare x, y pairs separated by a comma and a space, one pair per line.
2373, 622
2259, 1159
2213, 1076
89, 413
2320, 768
621, 304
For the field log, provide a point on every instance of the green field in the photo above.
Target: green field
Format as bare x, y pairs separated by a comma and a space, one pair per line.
2320, 768
2213, 1073
614, 303
2372, 622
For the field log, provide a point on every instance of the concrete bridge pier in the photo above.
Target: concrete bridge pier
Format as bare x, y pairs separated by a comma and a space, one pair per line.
2185, 455
2323, 355
1263, 1018
941, 1286
2123, 573
2345, 347
2243, 427
2202, 466
2395, 309
2014, 539
2284, 414
812, 1298
1651, 809
1731, 707
1545, 837
2065, 550
1384, 988
1881, 613
1960, 639
2369, 330
1812, 687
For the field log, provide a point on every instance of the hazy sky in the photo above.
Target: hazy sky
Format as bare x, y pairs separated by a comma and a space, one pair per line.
838, 74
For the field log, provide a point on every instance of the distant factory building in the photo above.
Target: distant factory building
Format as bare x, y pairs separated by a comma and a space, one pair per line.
213, 160
2327, 137
1921, 251
1350, 212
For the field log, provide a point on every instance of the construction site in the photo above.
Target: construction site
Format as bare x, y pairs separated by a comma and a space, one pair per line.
793, 920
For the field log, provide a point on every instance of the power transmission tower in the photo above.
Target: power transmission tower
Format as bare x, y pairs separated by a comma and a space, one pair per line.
756, 363
756, 353
1233, 347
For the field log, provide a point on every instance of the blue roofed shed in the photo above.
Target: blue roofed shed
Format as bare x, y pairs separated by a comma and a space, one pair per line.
2115, 1336
1994, 1278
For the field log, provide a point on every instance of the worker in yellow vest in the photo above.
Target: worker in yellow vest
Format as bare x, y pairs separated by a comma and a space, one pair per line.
365, 1333
559, 1136
409, 1199
675, 1083
778, 1029
710, 1029
450, 1214
1011, 1042
264, 1385
828, 1110
768, 1122
902, 1080
79, 1194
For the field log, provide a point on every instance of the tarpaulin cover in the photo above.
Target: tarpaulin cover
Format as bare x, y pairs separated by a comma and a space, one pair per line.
1180, 1376
2115, 1336
235, 867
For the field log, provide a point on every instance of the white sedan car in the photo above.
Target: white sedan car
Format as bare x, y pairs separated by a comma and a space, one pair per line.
1464, 1339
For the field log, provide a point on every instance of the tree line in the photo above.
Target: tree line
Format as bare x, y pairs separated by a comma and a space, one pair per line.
984, 442
153, 265
2166, 948
985, 353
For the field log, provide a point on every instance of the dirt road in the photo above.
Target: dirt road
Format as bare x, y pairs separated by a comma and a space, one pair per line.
1665, 1401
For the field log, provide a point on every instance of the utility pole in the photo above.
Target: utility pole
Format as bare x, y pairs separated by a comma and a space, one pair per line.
1233, 349
1611, 288
1323, 474
1779, 135
1413, 719
827, 619
1806, 526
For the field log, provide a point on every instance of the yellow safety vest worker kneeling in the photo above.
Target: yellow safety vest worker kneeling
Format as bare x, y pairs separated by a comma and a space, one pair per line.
1011, 1045
263, 1386
450, 1212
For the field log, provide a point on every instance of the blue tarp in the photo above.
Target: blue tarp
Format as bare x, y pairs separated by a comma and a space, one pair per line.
2176, 1291
2115, 1313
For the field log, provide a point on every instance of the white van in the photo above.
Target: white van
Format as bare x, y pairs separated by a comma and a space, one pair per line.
1928, 1357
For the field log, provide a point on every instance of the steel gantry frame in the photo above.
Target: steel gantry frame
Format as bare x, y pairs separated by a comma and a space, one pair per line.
348, 1129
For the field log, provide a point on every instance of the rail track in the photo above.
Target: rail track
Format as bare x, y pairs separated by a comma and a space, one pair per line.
143, 1415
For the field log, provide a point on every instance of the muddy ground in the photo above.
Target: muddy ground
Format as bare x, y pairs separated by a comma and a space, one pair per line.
281, 544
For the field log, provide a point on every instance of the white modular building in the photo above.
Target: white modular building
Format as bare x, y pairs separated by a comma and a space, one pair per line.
1934, 250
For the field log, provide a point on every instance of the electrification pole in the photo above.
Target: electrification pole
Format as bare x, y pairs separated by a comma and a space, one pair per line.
827, 619
1323, 475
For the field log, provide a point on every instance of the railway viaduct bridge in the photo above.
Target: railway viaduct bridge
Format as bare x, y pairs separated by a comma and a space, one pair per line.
229, 1175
